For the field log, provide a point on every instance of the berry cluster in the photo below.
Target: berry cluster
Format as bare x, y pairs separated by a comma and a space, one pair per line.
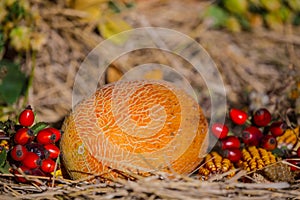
34, 150
258, 130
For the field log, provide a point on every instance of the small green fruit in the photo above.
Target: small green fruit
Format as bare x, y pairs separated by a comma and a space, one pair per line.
271, 5
294, 5
274, 21
232, 24
236, 6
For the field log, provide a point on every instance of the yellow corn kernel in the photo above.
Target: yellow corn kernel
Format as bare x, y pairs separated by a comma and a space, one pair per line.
217, 159
204, 172
254, 158
209, 163
261, 163
272, 158
246, 155
289, 136
226, 164
260, 166
214, 163
254, 152
292, 139
232, 173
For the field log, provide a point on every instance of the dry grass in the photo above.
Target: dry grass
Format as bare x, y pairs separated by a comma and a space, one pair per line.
259, 68
157, 186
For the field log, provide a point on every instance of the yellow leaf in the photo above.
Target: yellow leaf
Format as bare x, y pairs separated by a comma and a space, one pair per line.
111, 26
57, 173
83, 4
93, 8
93, 13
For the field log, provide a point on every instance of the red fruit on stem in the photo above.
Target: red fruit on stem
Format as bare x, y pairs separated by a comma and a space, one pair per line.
23, 136
25, 170
45, 136
220, 130
296, 164
53, 150
251, 136
298, 152
54, 131
278, 128
234, 155
48, 165
230, 142
26, 118
262, 117
31, 160
38, 172
269, 142
238, 116
18, 152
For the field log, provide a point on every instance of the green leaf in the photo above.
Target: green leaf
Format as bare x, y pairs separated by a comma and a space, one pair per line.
279, 152
296, 20
39, 126
5, 169
112, 25
217, 15
3, 156
114, 7
12, 81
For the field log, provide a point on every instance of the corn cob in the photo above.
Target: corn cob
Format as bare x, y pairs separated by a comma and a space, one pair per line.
214, 163
289, 139
254, 158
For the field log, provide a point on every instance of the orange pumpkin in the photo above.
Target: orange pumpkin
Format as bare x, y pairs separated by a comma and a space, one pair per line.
137, 126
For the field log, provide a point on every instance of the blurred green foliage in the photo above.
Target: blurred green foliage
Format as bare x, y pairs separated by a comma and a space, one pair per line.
12, 81
18, 37
238, 15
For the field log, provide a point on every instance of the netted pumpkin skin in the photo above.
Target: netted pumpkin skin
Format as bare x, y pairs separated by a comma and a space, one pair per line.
136, 126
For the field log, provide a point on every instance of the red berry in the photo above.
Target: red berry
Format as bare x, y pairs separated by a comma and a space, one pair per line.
296, 164
18, 152
25, 170
238, 116
262, 117
220, 130
231, 142
56, 132
45, 136
23, 136
26, 117
37, 172
251, 136
48, 165
234, 155
53, 150
298, 152
269, 142
278, 128
31, 160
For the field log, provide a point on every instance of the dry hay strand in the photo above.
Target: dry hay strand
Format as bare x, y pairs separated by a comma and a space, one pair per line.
156, 186
254, 65
69, 39
259, 68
